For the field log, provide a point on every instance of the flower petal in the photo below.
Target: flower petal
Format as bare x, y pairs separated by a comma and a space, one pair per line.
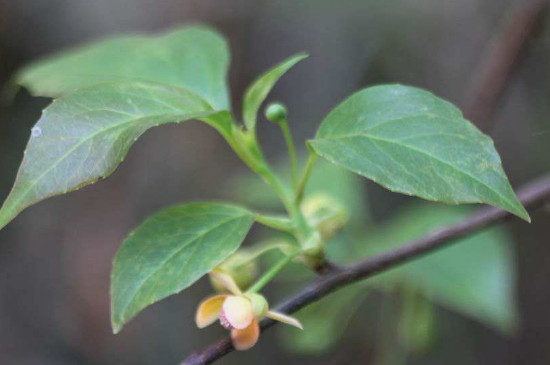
227, 281
209, 310
246, 338
285, 319
238, 311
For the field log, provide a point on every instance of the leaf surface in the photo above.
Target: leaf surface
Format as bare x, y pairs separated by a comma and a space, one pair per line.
475, 276
83, 136
195, 58
412, 142
170, 251
325, 322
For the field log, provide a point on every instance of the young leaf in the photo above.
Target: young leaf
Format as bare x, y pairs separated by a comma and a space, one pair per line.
258, 90
412, 142
170, 251
83, 136
195, 58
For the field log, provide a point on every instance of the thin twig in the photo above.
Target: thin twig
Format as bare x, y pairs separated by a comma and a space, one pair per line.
532, 196
501, 57
305, 176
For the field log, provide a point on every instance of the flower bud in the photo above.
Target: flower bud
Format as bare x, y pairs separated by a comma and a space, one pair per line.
326, 214
239, 266
276, 112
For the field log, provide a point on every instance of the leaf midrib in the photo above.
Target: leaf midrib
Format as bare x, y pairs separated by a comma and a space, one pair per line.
94, 135
172, 255
395, 142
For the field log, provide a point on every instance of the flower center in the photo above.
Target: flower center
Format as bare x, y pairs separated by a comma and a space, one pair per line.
224, 322
236, 313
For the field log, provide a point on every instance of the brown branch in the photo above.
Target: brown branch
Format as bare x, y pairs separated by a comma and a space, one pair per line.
532, 196
502, 55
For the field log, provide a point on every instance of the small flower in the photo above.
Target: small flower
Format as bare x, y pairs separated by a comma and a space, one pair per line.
239, 312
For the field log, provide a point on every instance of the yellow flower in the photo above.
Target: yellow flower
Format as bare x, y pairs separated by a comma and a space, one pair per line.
239, 312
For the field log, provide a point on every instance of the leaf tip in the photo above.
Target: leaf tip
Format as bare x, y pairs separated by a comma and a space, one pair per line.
116, 325
518, 210
523, 214
116, 328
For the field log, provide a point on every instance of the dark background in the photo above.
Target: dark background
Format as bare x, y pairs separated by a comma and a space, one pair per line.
55, 258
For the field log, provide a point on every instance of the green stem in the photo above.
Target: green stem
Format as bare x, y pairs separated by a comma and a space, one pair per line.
283, 124
246, 147
261, 249
269, 275
279, 223
305, 176
253, 157
303, 230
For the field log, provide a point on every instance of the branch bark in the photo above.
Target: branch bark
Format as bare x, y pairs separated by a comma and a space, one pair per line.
501, 57
533, 196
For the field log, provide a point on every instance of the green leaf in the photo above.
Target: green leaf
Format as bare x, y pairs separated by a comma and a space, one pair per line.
195, 58
83, 136
258, 90
170, 251
412, 142
475, 276
417, 327
325, 322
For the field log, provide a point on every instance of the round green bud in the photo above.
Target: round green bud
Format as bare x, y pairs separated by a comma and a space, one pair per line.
259, 304
276, 112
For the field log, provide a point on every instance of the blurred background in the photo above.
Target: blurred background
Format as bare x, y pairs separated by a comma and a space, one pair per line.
55, 258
